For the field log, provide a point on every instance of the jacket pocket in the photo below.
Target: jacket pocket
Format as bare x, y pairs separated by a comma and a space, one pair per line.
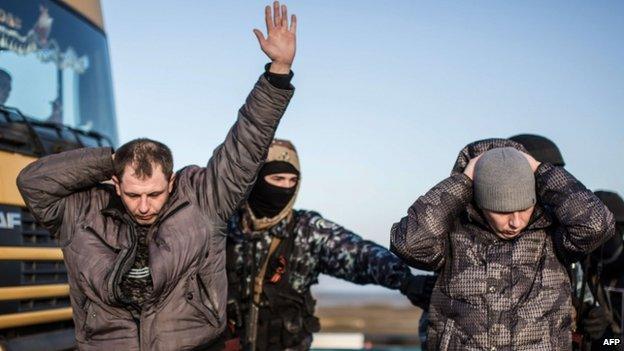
89, 322
198, 295
101, 325
452, 338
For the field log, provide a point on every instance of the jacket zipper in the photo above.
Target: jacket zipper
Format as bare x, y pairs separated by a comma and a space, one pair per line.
212, 308
116, 277
138, 325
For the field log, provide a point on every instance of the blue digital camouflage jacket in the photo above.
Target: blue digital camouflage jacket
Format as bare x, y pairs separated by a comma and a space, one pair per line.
320, 246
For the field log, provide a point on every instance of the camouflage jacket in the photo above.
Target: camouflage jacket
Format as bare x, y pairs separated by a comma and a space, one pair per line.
493, 294
321, 246
318, 246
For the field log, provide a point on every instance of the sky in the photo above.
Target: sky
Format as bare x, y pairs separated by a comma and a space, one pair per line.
387, 93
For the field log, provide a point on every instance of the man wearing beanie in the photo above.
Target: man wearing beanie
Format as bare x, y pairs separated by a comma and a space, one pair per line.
543, 150
275, 254
499, 232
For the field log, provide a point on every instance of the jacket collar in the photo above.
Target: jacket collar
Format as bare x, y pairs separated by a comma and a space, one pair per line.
282, 229
115, 208
540, 219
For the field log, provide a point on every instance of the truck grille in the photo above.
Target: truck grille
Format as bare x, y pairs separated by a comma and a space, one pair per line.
25, 273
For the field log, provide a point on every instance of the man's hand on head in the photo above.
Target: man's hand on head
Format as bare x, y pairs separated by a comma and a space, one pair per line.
469, 170
280, 43
532, 161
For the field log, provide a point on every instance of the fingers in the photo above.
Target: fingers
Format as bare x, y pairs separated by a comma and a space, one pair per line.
532, 161
268, 18
277, 19
284, 17
293, 24
260, 37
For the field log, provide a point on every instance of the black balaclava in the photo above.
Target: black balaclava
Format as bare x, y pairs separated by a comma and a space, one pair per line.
266, 200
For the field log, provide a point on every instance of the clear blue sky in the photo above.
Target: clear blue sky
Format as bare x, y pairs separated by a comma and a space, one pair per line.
387, 92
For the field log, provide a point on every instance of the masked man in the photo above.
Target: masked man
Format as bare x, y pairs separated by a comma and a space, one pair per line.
146, 257
275, 255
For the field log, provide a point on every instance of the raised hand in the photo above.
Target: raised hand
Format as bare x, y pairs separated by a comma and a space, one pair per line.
532, 161
280, 43
469, 170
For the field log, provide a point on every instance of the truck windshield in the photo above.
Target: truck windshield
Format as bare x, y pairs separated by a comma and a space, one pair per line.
54, 67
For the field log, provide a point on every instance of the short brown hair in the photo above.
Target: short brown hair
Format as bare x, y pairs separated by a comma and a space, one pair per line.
142, 154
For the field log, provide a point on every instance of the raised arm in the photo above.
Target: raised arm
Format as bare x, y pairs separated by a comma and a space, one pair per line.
47, 183
421, 238
584, 221
224, 183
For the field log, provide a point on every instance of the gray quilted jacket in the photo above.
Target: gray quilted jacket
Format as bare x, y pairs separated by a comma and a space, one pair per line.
187, 252
493, 294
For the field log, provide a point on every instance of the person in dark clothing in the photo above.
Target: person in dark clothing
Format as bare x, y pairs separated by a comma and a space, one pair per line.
295, 246
5, 86
146, 257
541, 148
601, 318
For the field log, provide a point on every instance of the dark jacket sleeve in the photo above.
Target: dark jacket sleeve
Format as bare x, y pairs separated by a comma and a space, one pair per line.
344, 254
421, 238
47, 183
222, 185
584, 222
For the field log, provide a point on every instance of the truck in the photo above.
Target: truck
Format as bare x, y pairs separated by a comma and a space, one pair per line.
56, 94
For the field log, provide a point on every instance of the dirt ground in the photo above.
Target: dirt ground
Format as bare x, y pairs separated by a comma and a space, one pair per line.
370, 319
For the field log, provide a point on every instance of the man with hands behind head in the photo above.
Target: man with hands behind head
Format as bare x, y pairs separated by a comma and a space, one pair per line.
499, 232
146, 257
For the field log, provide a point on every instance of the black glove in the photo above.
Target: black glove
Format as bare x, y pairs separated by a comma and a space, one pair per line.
418, 289
596, 322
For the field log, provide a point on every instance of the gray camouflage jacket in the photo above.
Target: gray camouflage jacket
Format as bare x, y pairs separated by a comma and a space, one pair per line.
187, 252
494, 294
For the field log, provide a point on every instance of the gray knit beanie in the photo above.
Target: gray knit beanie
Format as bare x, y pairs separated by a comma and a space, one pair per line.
504, 181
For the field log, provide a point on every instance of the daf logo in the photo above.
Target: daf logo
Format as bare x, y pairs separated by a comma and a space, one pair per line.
10, 220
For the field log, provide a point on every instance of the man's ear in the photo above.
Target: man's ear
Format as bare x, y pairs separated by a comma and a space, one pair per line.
171, 181
117, 185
